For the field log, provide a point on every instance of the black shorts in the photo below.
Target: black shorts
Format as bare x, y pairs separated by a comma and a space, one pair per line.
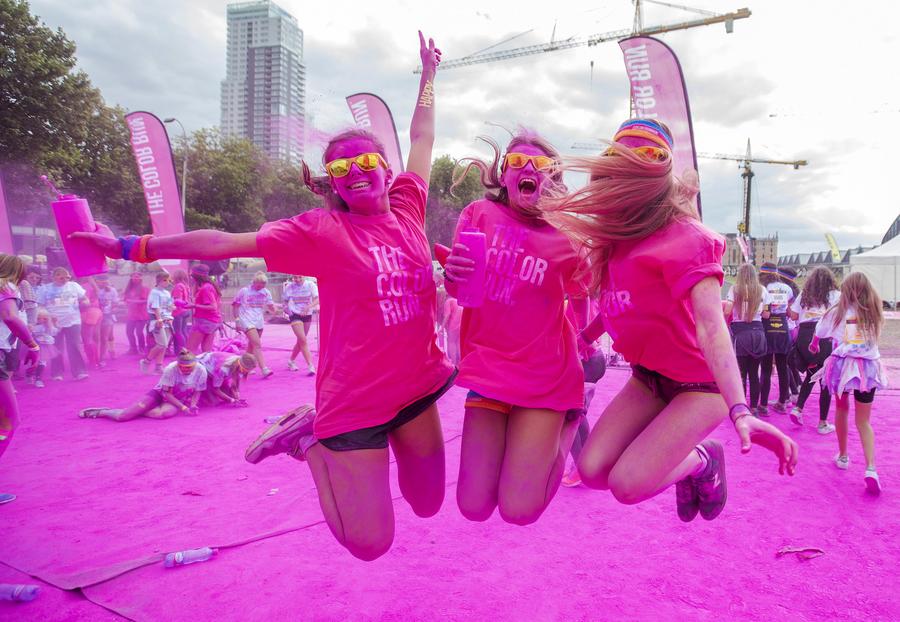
300, 318
4, 375
864, 397
667, 389
778, 339
376, 437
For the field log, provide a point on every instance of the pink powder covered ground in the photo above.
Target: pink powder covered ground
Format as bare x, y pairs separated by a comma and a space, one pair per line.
100, 503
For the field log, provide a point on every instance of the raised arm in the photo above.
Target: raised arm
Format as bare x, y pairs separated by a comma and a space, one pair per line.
421, 128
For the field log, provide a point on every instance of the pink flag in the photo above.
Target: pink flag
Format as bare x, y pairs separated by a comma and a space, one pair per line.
371, 113
156, 168
6, 242
658, 92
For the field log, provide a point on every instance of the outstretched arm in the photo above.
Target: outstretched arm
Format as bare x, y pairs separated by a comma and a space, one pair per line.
421, 129
201, 244
715, 343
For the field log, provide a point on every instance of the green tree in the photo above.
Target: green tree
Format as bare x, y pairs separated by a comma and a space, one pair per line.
443, 206
286, 195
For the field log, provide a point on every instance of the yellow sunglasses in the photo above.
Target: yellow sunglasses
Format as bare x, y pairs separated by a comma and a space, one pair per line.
519, 160
365, 162
649, 153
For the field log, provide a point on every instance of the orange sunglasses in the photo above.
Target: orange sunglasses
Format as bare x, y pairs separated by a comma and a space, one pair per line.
365, 161
519, 160
649, 153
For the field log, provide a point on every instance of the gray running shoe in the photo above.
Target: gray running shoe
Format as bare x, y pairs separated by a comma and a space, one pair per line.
284, 435
712, 488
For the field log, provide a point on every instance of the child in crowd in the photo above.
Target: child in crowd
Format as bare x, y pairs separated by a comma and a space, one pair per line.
207, 314
109, 298
249, 307
159, 307
136, 294
854, 324
178, 391
44, 332
820, 293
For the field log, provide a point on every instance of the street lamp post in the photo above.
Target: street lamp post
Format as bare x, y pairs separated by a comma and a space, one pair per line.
184, 168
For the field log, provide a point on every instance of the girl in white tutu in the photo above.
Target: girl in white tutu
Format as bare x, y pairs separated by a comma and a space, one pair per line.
854, 324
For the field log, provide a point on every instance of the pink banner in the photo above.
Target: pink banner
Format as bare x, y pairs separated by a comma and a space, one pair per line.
371, 113
658, 92
156, 168
6, 242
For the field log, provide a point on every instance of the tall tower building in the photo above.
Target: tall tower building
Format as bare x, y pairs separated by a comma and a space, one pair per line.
264, 90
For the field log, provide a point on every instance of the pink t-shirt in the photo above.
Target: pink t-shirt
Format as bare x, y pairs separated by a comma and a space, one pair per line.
519, 347
645, 298
136, 303
181, 294
207, 295
379, 351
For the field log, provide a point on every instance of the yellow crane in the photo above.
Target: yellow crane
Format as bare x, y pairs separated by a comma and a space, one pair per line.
637, 28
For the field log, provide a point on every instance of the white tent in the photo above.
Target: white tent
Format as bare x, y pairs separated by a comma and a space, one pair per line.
882, 266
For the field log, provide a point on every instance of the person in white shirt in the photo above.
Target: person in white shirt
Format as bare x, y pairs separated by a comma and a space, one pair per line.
160, 306
300, 299
778, 338
177, 392
249, 307
62, 298
854, 324
820, 293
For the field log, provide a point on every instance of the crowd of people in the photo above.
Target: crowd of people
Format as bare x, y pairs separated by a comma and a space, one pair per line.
631, 240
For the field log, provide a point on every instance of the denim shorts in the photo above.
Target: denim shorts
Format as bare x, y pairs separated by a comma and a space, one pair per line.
376, 437
667, 389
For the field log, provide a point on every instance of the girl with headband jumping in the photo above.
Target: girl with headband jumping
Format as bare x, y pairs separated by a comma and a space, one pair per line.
519, 352
380, 368
658, 272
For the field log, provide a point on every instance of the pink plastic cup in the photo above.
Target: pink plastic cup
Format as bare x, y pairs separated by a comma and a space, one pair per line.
73, 214
471, 292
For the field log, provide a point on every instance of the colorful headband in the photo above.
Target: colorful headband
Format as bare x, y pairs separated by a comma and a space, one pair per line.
785, 275
768, 269
646, 129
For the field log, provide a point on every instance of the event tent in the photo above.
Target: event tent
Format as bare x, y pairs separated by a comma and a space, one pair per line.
882, 266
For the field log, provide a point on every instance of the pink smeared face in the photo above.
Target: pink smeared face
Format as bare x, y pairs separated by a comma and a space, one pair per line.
364, 192
257, 285
524, 185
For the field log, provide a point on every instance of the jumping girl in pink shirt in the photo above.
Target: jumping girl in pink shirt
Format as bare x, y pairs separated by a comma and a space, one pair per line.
658, 272
380, 368
519, 352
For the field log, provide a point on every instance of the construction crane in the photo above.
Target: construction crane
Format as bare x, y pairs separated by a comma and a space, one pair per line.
747, 174
637, 28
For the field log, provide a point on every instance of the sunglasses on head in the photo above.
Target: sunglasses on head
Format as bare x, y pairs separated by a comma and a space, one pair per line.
657, 154
519, 160
365, 162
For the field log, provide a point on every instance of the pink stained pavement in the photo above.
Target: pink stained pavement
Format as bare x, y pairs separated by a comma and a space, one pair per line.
97, 499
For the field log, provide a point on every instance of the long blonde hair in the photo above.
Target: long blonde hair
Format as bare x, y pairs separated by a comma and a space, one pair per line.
12, 270
858, 294
747, 292
629, 197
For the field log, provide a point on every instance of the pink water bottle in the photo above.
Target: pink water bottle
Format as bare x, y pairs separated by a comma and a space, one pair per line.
470, 293
73, 214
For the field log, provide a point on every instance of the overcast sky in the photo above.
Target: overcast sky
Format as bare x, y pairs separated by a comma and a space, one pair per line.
825, 70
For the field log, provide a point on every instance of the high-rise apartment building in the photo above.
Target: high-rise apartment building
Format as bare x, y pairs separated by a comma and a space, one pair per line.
264, 90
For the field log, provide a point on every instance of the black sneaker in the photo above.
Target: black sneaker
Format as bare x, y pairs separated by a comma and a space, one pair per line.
712, 489
686, 499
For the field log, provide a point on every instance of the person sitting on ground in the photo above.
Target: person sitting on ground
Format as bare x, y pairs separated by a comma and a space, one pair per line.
178, 391
224, 372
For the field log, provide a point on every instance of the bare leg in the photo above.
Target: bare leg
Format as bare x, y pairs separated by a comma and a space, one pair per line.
419, 448
301, 345
208, 341
355, 497
480, 462
841, 415
662, 453
866, 434
532, 463
9, 414
138, 409
255, 347
195, 341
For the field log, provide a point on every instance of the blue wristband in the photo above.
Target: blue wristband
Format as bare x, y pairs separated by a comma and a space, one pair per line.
127, 243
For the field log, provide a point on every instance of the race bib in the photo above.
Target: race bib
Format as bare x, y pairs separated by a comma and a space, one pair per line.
852, 334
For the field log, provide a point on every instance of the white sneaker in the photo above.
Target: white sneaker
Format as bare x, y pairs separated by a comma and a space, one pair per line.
39, 384
292, 366
796, 416
873, 486
311, 370
825, 428
842, 462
